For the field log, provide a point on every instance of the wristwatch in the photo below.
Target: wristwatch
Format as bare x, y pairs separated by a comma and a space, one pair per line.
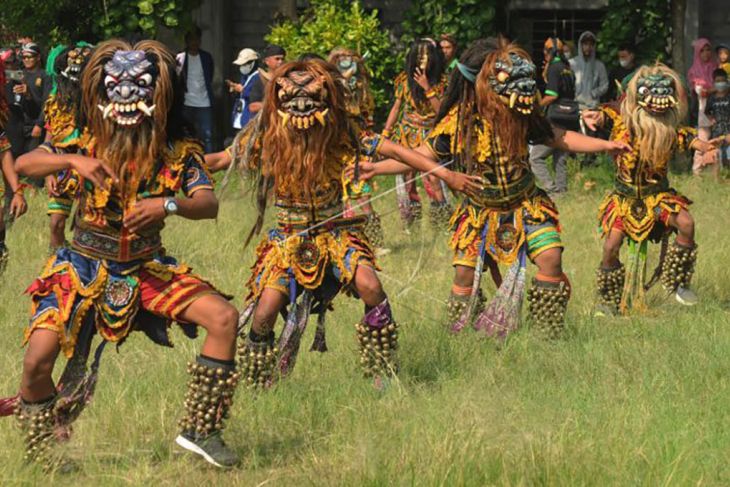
170, 206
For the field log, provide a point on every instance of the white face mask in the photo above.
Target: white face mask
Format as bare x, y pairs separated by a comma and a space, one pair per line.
625, 63
246, 68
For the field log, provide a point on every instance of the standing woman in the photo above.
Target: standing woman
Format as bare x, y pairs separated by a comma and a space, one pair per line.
418, 94
700, 82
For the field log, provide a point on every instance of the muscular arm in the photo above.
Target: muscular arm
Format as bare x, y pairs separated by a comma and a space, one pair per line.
420, 159
218, 161
39, 163
567, 140
201, 205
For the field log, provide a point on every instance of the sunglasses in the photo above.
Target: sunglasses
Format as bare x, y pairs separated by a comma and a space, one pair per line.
28, 56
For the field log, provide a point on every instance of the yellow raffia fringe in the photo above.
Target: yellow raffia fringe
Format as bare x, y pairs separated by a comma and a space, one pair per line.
637, 229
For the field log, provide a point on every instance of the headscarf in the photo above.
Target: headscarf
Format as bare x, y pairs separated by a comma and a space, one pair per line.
700, 74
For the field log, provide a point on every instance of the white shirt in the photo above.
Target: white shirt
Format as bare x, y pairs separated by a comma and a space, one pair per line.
196, 94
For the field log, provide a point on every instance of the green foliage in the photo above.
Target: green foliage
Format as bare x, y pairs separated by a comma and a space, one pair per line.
94, 20
644, 23
337, 23
466, 20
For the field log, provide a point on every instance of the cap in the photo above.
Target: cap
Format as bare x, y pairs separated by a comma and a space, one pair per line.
549, 43
245, 56
30, 48
273, 50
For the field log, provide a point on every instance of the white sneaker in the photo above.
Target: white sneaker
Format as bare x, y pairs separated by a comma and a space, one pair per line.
686, 296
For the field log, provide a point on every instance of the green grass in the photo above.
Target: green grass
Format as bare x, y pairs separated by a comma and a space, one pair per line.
641, 400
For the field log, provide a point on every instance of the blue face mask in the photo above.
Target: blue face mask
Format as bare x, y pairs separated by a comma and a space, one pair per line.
722, 85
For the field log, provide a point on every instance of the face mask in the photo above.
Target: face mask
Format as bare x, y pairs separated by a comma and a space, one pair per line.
722, 85
246, 68
625, 63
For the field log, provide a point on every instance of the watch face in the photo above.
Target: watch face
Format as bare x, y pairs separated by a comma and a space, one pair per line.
171, 206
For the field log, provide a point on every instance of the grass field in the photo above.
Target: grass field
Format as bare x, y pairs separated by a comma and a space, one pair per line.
640, 400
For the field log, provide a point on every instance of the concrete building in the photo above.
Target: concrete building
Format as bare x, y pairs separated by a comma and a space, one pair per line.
230, 25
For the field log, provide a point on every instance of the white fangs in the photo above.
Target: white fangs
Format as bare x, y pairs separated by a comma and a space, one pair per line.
513, 99
142, 106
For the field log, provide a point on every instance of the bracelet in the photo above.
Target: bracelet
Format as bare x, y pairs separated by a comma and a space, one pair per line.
431, 93
21, 189
386, 133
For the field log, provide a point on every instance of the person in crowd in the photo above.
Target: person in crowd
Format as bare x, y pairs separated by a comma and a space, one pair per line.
723, 57
419, 90
246, 62
591, 79
568, 50
273, 57
559, 87
448, 45
196, 68
626, 67
27, 96
700, 83
717, 111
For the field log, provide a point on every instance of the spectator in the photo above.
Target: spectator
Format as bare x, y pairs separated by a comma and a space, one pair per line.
196, 71
591, 82
273, 57
591, 79
559, 87
723, 57
700, 82
568, 50
622, 72
448, 46
717, 111
27, 95
246, 62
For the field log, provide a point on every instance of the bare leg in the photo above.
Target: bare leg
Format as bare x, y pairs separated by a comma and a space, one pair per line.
267, 310
40, 356
58, 230
550, 264
368, 286
611, 249
220, 320
685, 225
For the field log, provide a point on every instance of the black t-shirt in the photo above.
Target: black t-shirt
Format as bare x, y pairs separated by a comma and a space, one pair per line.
257, 90
719, 109
560, 80
616, 75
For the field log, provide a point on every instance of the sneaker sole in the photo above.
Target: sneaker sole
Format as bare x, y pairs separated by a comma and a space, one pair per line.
682, 301
192, 447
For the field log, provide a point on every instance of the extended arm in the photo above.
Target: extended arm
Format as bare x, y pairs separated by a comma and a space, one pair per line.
39, 163
392, 117
567, 140
218, 161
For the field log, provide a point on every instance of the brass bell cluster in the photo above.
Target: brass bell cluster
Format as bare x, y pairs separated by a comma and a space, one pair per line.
378, 349
455, 307
547, 304
257, 362
610, 285
209, 398
440, 215
373, 231
678, 266
37, 421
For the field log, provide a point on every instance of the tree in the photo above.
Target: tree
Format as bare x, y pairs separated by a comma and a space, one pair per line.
327, 24
679, 9
643, 23
94, 20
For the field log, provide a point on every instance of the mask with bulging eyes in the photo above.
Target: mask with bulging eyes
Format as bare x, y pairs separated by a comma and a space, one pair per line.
129, 83
514, 81
76, 59
302, 100
347, 67
656, 93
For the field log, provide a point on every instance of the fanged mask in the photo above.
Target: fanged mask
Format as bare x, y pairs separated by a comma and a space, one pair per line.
347, 67
302, 98
655, 93
514, 82
129, 84
75, 62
